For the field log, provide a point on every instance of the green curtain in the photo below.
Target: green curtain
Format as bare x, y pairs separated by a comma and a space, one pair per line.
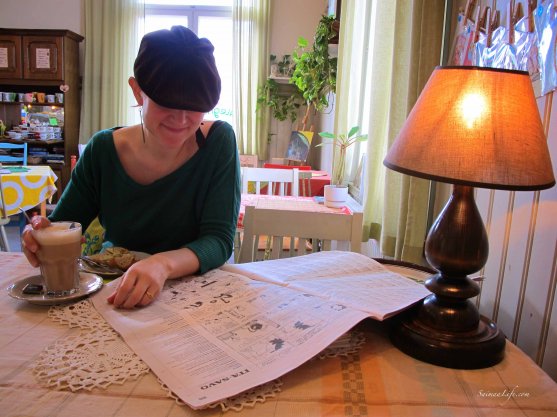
112, 34
251, 49
387, 50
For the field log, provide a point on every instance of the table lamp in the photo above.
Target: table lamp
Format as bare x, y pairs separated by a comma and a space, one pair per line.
471, 127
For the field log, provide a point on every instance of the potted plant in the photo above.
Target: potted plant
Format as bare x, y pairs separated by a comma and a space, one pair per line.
336, 194
315, 71
283, 106
312, 75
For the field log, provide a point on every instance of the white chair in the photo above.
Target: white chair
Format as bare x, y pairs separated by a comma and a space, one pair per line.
4, 220
276, 181
307, 232
283, 181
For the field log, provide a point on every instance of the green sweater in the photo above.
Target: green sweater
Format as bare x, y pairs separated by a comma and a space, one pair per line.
195, 207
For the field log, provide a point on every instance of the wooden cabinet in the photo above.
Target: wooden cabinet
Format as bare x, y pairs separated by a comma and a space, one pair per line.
43, 61
10, 57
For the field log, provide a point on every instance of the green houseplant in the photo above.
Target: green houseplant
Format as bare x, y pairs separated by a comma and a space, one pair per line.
313, 75
337, 192
283, 106
315, 70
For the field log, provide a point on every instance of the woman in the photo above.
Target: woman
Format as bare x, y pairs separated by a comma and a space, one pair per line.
169, 186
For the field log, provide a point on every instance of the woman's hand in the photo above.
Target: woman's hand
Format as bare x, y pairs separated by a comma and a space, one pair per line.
28, 243
141, 283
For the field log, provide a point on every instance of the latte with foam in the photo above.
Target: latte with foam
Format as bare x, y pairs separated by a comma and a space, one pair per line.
59, 250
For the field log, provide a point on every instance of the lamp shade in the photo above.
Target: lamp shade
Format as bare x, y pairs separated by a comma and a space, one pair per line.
475, 126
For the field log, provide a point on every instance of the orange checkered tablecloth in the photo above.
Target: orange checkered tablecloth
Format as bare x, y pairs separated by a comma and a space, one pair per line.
378, 380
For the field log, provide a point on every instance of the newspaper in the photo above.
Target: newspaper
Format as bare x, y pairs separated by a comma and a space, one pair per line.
213, 336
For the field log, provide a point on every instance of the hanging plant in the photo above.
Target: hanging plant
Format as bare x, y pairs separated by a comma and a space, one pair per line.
314, 75
315, 70
283, 106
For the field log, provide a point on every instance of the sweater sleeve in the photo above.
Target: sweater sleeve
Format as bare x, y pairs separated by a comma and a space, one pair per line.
220, 206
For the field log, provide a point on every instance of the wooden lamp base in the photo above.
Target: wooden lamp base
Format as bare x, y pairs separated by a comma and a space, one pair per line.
446, 329
478, 348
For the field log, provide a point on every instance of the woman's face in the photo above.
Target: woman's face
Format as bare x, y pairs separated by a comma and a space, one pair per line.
171, 127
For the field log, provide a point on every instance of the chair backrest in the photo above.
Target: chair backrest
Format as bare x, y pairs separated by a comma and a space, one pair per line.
248, 161
305, 175
306, 231
13, 158
272, 181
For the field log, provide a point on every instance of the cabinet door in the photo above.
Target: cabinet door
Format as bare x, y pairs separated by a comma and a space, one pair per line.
42, 57
10, 56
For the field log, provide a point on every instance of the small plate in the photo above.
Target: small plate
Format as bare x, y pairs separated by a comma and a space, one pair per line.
89, 283
83, 266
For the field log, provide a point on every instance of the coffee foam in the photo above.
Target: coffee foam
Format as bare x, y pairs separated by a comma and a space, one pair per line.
58, 233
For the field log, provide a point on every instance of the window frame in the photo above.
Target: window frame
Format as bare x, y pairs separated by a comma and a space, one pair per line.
193, 13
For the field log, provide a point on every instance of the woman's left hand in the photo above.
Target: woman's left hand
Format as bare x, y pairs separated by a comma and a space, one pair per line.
140, 285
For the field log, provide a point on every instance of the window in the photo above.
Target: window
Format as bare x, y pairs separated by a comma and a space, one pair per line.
211, 19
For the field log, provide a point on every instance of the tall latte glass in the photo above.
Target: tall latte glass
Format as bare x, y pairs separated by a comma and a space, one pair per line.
60, 248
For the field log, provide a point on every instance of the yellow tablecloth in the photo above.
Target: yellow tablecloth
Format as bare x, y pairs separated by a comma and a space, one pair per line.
27, 189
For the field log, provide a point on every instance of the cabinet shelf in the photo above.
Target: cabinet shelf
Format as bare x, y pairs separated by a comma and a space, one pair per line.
43, 60
33, 142
19, 103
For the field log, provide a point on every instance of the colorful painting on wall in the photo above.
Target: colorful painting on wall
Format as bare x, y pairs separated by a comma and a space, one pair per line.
298, 148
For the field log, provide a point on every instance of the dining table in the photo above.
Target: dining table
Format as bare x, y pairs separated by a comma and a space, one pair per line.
361, 375
283, 202
27, 187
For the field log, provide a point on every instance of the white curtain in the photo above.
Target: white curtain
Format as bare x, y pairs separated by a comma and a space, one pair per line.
251, 46
112, 34
387, 50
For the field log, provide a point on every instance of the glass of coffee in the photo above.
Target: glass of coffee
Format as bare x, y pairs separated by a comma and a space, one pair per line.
59, 250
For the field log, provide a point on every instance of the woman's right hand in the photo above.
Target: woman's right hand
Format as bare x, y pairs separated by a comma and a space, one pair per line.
28, 243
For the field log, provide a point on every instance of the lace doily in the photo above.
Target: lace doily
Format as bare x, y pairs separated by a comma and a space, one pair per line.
97, 357
248, 398
94, 358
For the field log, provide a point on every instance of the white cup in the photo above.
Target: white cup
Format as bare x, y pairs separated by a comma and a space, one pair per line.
9, 97
59, 250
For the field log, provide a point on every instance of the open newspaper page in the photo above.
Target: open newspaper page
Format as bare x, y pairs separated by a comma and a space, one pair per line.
213, 336
347, 278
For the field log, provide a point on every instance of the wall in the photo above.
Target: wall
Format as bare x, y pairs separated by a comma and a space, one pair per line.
40, 14
291, 19
521, 273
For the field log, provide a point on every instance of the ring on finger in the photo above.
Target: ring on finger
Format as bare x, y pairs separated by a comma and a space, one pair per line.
148, 294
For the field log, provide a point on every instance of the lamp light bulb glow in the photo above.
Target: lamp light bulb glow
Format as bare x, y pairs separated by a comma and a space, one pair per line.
472, 107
